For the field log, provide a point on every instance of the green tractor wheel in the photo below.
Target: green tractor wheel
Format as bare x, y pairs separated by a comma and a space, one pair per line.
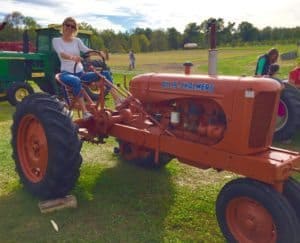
17, 92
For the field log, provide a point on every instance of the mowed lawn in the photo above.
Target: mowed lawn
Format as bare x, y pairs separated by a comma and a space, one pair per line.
119, 202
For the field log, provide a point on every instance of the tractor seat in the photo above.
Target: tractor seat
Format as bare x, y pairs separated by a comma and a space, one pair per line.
57, 77
66, 90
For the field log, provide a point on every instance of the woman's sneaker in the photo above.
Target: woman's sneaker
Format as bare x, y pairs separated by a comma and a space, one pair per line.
87, 115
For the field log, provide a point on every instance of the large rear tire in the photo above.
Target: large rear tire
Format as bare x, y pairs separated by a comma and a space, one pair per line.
288, 117
251, 211
46, 147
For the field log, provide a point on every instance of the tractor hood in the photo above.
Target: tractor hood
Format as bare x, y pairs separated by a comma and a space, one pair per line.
157, 87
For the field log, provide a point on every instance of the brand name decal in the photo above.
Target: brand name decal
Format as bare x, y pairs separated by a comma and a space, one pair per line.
206, 87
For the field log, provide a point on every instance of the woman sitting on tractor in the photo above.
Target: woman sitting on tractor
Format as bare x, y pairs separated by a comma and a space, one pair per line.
68, 48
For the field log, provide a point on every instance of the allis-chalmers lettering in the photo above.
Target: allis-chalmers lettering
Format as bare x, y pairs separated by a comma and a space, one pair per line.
188, 86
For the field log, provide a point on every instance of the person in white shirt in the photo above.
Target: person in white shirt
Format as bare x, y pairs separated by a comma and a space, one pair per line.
68, 48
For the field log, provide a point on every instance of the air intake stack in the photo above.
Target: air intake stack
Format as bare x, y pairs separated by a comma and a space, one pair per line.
212, 52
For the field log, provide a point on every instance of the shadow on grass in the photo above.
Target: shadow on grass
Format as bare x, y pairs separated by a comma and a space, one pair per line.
122, 204
6, 111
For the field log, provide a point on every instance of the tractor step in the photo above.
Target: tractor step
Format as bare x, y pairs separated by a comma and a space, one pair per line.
68, 201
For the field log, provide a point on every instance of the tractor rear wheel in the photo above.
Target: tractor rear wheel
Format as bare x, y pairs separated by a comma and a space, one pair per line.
251, 211
46, 147
291, 191
17, 92
142, 156
288, 117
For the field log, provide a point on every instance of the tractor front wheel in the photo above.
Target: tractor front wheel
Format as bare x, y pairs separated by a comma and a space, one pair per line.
251, 211
46, 147
17, 92
291, 191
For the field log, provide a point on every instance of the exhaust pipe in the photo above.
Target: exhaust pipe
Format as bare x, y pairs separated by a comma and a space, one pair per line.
212, 52
187, 67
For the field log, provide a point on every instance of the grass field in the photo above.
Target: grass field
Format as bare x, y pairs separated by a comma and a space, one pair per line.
119, 202
231, 61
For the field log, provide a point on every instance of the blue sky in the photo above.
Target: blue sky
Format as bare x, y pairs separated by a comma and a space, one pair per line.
125, 15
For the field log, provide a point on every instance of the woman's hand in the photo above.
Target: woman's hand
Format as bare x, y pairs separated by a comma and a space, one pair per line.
76, 58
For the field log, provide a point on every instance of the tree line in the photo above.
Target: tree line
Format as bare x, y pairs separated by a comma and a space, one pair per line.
147, 39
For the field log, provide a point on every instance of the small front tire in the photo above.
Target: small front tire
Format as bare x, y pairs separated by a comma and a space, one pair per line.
251, 211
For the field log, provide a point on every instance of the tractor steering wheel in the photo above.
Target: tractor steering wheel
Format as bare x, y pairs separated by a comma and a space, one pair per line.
92, 58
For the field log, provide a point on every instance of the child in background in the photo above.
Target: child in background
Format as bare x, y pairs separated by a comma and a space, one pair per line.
273, 70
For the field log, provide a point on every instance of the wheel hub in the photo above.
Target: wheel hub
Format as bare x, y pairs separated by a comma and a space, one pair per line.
32, 148
21, 94
249, 221
282, 116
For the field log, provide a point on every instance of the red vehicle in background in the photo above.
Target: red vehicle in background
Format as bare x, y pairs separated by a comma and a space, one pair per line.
294, 76
15, 46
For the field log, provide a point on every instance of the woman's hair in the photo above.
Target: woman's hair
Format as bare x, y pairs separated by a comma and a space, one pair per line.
68, 20
273, 51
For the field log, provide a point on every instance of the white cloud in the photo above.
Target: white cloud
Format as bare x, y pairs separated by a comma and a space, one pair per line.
104, 14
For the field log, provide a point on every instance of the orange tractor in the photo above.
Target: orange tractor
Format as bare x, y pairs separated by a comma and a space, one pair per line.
208, 121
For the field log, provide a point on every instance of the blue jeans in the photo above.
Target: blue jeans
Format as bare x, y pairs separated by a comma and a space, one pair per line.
74, 79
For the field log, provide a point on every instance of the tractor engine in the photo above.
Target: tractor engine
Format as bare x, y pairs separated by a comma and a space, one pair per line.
234, 114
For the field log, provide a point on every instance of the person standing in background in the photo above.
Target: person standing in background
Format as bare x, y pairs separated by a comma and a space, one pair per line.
131, 60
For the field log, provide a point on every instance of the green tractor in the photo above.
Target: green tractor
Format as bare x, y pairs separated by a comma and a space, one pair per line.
18, 68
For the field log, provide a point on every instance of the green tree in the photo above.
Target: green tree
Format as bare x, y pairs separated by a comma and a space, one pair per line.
97, 42
226, 35
192, 33
247, 32
174, 38
159, 41
140, 31
108, 37
135, 43
144, 43
30, 23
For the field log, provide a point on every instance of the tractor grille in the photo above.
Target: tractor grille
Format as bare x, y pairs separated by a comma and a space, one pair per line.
261, 118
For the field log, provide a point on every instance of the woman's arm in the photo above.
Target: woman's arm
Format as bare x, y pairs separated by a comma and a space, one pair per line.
261, 65
82, 47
